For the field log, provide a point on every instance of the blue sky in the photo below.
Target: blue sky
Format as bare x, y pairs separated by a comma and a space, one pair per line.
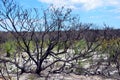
90, 11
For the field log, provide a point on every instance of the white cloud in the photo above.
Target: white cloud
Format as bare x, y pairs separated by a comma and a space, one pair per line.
95, 17
83, 4
56, 3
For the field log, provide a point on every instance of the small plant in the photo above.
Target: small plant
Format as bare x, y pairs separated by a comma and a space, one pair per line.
9, 47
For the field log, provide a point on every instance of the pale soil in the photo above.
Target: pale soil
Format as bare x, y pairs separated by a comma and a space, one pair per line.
28, 76
61, 77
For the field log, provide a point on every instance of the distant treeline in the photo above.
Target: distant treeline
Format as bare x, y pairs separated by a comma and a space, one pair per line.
90, 35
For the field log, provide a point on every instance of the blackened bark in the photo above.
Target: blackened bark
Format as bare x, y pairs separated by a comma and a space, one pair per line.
22, 71
39, 62
39, 67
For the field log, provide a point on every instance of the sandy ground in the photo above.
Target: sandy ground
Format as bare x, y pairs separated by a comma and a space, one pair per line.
62, 77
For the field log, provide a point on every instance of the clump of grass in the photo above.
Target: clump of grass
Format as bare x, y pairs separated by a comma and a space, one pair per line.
9, 48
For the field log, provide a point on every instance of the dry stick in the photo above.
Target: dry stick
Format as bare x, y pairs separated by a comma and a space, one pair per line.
46, 78
2, 75
7, 71
17, 74
17, 68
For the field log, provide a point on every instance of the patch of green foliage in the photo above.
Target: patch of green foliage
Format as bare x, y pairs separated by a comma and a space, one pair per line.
59, 46
32, 45
79, 45
21, 45
110, 46
9, 47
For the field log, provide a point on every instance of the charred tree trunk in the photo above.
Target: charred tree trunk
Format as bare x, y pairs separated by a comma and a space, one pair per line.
39, 68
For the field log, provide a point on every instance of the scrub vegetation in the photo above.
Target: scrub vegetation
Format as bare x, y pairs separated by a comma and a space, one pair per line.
54, 42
